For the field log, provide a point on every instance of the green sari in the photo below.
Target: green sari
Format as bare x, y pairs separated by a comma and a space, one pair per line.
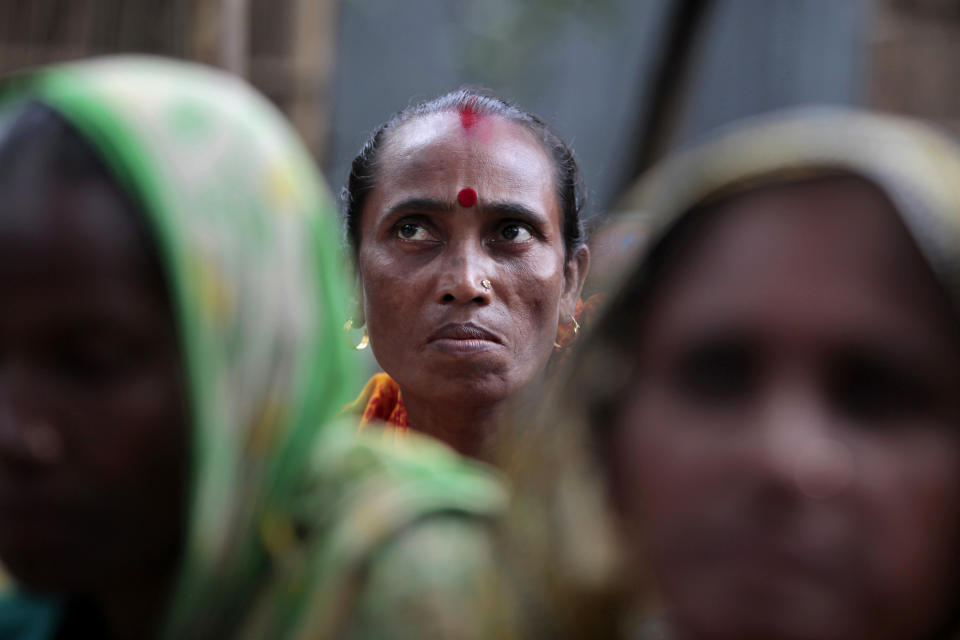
286, 506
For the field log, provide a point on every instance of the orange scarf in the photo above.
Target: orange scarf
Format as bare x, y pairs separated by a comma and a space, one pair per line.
381, 401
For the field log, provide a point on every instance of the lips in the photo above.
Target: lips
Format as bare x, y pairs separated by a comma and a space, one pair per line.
463, 339
466, 331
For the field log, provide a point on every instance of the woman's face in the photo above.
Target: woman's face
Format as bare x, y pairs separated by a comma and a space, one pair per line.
789, 451
424, 256
93, 418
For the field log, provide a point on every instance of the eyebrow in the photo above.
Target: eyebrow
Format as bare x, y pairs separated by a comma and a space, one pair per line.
431, 205
426, 205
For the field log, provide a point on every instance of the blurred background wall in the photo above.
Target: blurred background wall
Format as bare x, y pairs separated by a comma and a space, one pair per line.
622, 80
284, 47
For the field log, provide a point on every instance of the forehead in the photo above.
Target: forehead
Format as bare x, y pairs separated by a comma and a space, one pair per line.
811, 222
831, 252
64, 232
476, 150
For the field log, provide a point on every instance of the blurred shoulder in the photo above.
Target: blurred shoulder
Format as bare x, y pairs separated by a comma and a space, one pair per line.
436, 579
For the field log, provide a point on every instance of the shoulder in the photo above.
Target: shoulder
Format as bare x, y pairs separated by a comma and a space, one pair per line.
392, 528
433, 580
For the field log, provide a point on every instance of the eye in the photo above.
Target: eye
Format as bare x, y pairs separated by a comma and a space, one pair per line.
412, 231
93, 361
874, 390
514, 232
718, 373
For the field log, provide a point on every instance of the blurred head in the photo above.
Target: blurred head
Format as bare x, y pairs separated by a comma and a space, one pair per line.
789, 444
463, 297
93, 410
170, 348
768, 400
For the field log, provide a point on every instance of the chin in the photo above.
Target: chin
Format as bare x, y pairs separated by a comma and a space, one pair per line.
466, 385
727, 617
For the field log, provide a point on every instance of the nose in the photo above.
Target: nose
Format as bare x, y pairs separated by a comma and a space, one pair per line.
466, 275
798, 450
27, 441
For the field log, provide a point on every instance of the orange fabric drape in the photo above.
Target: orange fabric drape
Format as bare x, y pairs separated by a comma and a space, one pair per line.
381, 401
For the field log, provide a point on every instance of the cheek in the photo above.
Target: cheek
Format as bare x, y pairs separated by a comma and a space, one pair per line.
145, 421
679, 468
662, 465
909, 492
535, 287
387, 290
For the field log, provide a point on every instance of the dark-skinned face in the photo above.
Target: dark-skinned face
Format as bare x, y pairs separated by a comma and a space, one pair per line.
790, 448
93, 423
434, 327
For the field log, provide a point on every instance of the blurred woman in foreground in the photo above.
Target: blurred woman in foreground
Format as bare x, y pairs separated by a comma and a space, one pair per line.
769, 401
170, 356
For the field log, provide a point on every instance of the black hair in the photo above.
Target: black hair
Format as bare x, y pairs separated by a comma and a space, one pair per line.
569, 182
36, 136
42, 150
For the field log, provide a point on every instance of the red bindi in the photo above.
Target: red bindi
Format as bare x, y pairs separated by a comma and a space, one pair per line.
467, 197
468, 116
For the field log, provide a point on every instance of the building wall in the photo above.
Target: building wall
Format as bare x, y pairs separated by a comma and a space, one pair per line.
914, 53
284, 47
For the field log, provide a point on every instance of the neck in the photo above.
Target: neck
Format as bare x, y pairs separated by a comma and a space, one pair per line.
464, 428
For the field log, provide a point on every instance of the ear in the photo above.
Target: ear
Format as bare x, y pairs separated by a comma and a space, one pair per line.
574, 275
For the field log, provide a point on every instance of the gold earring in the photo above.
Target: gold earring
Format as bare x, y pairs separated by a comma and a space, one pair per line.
576, 331
364, 340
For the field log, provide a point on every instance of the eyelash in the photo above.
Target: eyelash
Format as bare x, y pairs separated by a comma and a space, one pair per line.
397, 231
521, 226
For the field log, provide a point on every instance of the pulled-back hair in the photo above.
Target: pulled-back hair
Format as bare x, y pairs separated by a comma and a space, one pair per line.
36, 137
569, 183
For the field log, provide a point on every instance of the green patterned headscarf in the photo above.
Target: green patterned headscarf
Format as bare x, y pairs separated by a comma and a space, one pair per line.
289, 512
250, 244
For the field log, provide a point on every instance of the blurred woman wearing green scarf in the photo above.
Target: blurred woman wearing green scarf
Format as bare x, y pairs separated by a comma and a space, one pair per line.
171, 358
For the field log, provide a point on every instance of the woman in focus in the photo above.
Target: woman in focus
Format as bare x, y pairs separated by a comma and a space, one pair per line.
768, 403
463, 214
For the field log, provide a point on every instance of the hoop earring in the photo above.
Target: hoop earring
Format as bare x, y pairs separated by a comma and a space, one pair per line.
576, 332
364, 339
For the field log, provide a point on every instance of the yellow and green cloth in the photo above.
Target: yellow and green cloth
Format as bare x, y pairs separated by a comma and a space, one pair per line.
287, 508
